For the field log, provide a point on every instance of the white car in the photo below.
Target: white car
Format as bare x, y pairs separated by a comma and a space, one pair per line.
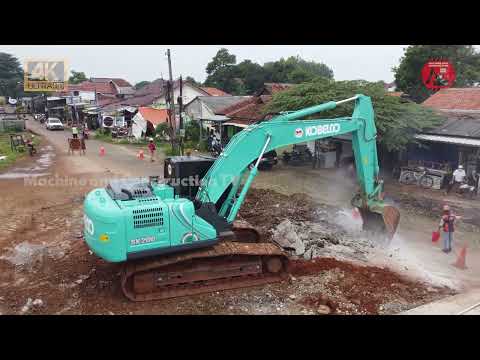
54, 124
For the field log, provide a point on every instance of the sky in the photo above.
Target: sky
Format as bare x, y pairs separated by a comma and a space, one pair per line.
148, 62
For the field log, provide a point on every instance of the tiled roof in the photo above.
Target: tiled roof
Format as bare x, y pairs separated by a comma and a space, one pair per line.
273, 88
142, 97
100, 87
155, 116
214, 91
248, 111
455, 98
118, 82
155, 87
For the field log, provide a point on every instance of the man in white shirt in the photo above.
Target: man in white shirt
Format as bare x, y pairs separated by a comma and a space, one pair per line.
458, 178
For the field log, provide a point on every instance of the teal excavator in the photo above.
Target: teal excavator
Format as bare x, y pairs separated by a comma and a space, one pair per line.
179, 237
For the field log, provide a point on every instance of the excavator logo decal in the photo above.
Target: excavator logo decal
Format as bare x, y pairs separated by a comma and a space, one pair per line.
322, 129
318, 130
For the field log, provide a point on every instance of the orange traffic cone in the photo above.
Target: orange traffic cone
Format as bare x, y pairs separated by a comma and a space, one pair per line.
102, 151
140, 155
460, 263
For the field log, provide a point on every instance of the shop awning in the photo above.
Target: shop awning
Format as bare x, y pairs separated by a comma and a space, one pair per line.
236, 124
449, 139
216, 118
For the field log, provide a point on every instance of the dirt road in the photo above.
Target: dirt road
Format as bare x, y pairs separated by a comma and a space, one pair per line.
46, 268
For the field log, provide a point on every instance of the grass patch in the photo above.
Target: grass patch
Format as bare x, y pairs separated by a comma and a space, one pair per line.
107, 137
13, 156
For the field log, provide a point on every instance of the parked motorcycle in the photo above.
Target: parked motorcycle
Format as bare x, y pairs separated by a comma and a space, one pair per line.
300, 155
215, 149
466, 190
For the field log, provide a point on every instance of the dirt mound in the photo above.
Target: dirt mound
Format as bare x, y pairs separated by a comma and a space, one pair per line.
363, 289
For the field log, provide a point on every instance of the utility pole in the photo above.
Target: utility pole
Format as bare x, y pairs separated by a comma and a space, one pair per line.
180, 109
172, 102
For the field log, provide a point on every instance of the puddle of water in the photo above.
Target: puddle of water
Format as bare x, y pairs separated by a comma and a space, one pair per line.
42, 163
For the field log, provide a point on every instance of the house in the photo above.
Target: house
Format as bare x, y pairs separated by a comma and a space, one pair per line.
146, 120
457, 140
390, 87
101, 89
189, 93
145, 96
459, 100
207, 110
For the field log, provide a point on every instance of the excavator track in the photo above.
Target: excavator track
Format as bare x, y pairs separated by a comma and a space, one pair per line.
229, 264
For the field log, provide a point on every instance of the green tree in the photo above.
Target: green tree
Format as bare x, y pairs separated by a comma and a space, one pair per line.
11, 76
221, 60
141, 84
77, 77
295, 70
223, 74
396, 120
247, 76
251, 74
465, 60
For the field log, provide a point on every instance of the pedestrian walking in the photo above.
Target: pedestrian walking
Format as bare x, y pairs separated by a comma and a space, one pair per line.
447, 226
458, 177
152, 148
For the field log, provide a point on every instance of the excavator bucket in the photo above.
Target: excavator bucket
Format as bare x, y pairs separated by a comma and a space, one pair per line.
391, 218
381, 221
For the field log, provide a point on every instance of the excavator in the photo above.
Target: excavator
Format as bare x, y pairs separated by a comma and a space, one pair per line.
180, 237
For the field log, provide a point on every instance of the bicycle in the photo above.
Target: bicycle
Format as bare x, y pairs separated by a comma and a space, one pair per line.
421, 178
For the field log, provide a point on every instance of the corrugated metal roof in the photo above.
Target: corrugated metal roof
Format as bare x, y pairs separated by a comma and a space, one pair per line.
216, 103
464, 125
449, 139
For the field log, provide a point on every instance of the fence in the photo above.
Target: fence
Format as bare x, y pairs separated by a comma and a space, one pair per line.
12, 125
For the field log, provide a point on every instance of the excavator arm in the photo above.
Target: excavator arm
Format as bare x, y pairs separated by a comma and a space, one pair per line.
233, 165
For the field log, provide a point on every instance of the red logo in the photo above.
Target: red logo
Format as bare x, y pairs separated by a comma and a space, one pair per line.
298, 132
438, 74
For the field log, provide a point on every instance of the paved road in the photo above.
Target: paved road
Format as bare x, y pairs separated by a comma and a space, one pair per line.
120, 160
463, 304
